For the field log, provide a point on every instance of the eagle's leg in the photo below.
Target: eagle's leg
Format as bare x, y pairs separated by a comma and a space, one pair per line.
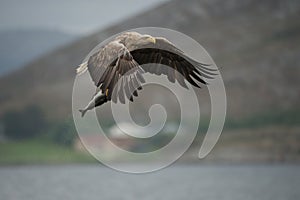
98, 100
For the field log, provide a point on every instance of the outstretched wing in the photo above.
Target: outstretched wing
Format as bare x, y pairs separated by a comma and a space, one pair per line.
99, 62
164, 52
107, 68
121, 80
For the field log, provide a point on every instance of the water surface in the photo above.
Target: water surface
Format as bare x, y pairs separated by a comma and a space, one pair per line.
95, 182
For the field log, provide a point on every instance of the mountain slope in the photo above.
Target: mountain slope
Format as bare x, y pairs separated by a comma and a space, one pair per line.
19, 47
255, 43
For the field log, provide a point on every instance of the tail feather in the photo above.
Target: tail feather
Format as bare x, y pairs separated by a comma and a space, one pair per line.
81, 68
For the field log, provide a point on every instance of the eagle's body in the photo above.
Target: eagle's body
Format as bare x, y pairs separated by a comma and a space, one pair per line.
121, 59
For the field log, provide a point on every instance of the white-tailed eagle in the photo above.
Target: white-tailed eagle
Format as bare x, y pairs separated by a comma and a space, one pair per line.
121, 60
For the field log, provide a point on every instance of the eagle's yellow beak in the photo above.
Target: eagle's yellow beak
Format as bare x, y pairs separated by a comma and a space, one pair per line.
151, 39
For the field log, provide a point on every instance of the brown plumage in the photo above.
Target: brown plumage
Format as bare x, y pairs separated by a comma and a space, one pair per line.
121, 61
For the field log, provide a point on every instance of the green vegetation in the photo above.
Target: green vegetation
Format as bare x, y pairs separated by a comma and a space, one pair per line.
24, 124
288, 117
39, 152
31, 123
62, 133
53, 142
33, 139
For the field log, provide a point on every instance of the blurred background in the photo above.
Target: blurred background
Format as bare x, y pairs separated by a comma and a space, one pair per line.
256, 45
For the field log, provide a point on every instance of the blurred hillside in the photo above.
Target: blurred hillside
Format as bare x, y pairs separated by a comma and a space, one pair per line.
19, 47
255, 43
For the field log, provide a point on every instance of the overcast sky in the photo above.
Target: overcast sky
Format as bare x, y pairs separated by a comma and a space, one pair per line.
70, 16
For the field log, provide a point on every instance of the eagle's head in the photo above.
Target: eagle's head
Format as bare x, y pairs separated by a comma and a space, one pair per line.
134, 40
146, 40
